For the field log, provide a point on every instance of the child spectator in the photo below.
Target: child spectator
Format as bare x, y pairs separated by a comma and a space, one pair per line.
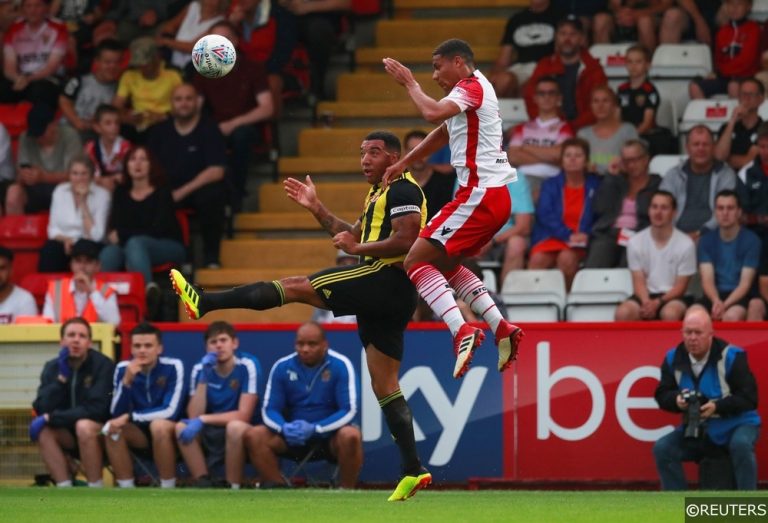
108, 150
736, 53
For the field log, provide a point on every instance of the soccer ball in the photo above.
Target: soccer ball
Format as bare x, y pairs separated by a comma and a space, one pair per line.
213, 56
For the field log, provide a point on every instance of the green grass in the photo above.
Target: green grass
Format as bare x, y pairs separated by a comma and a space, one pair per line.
48, 504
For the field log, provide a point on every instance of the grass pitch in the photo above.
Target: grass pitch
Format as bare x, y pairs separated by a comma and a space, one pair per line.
110, 505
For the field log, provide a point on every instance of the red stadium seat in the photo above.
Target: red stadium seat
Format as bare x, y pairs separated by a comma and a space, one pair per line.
129, 287
14, 118
24, 235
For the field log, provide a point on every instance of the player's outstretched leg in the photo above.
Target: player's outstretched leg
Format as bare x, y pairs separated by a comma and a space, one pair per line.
258, 296
436, 291
472, 290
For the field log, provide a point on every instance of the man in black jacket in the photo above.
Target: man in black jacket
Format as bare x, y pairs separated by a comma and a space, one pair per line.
71, 405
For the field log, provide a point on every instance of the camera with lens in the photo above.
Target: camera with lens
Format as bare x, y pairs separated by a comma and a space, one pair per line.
694, 425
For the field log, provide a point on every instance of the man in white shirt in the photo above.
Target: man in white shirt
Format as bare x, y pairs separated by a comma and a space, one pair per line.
82, 295
662, 260
14, 301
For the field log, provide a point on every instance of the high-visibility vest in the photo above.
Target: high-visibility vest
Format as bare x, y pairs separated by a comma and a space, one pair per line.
63, 301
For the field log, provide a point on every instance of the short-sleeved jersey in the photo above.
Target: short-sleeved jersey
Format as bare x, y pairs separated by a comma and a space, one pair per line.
541, 133
19, 302
661, 266
531, 34
728, 258
87, 93
475, 135
634, 101
402, 196
149, 95
223, 392
33, 48
742, 137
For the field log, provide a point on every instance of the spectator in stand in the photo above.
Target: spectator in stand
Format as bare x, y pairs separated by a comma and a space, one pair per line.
240, 103
72, 403
130, 19
14, 301
528, 37
143, 230
144, 92
695, 183
301, 412
737, 142
757, 309
535, 146
191, 150
45, 151
222, 397
584, 10
564, 213
577, 72
82, 294
267, 35
639, 101
621, 207
80, 17
736, 53
662, 260
147, 398
752, 187
107, 151
690, 20
83, 95
437, 187
7, 171
608, 133
33, 52
728, 260
509, 244
79, 209
180, 33
318, 23
719, 372
630, 21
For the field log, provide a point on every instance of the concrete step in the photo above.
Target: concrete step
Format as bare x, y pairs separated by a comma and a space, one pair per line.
285, 253
339, 197
297, 222
380, 87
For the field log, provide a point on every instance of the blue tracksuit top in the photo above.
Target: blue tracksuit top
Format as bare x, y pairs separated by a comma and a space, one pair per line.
325, 395
158, 395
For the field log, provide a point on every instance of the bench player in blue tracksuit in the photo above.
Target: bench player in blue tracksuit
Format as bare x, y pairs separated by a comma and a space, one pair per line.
146, 402
310, 401
223, 396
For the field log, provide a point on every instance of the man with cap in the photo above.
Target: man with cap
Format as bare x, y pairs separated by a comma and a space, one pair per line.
82, 294
45, 150
144, 92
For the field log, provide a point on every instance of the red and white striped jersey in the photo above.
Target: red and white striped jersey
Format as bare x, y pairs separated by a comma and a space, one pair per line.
475, 135
542, 133
32, 48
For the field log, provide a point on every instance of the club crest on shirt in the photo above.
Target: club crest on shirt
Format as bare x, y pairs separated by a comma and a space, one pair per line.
292, 376
326, 375
88, 381
640, 99
234, 384
161, 381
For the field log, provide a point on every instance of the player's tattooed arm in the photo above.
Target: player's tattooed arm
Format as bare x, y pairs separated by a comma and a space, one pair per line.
332, 223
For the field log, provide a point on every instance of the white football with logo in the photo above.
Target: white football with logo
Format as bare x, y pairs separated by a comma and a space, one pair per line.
213, 56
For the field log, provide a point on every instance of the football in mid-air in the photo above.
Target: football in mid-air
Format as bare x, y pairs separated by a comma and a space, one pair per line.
213, 56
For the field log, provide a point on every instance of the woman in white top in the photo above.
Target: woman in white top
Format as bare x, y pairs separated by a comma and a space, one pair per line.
79, 209
188, 26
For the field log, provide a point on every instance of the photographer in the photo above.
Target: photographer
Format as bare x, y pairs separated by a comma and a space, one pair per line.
714, 376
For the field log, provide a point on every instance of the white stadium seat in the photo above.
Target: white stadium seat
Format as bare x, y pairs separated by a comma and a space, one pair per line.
534, 295
759, 10
596, 293
612, 58
661, 163
512, 111
712, 113
762, 111
681, 61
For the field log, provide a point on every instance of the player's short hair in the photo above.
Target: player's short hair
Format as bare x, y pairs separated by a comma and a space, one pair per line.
103, 109
416, 133
220, 327
6, 253
667, 194
729, 193
76, 319
109, 44
391, 141
574, 142
147, 328
637, 48
455, 47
